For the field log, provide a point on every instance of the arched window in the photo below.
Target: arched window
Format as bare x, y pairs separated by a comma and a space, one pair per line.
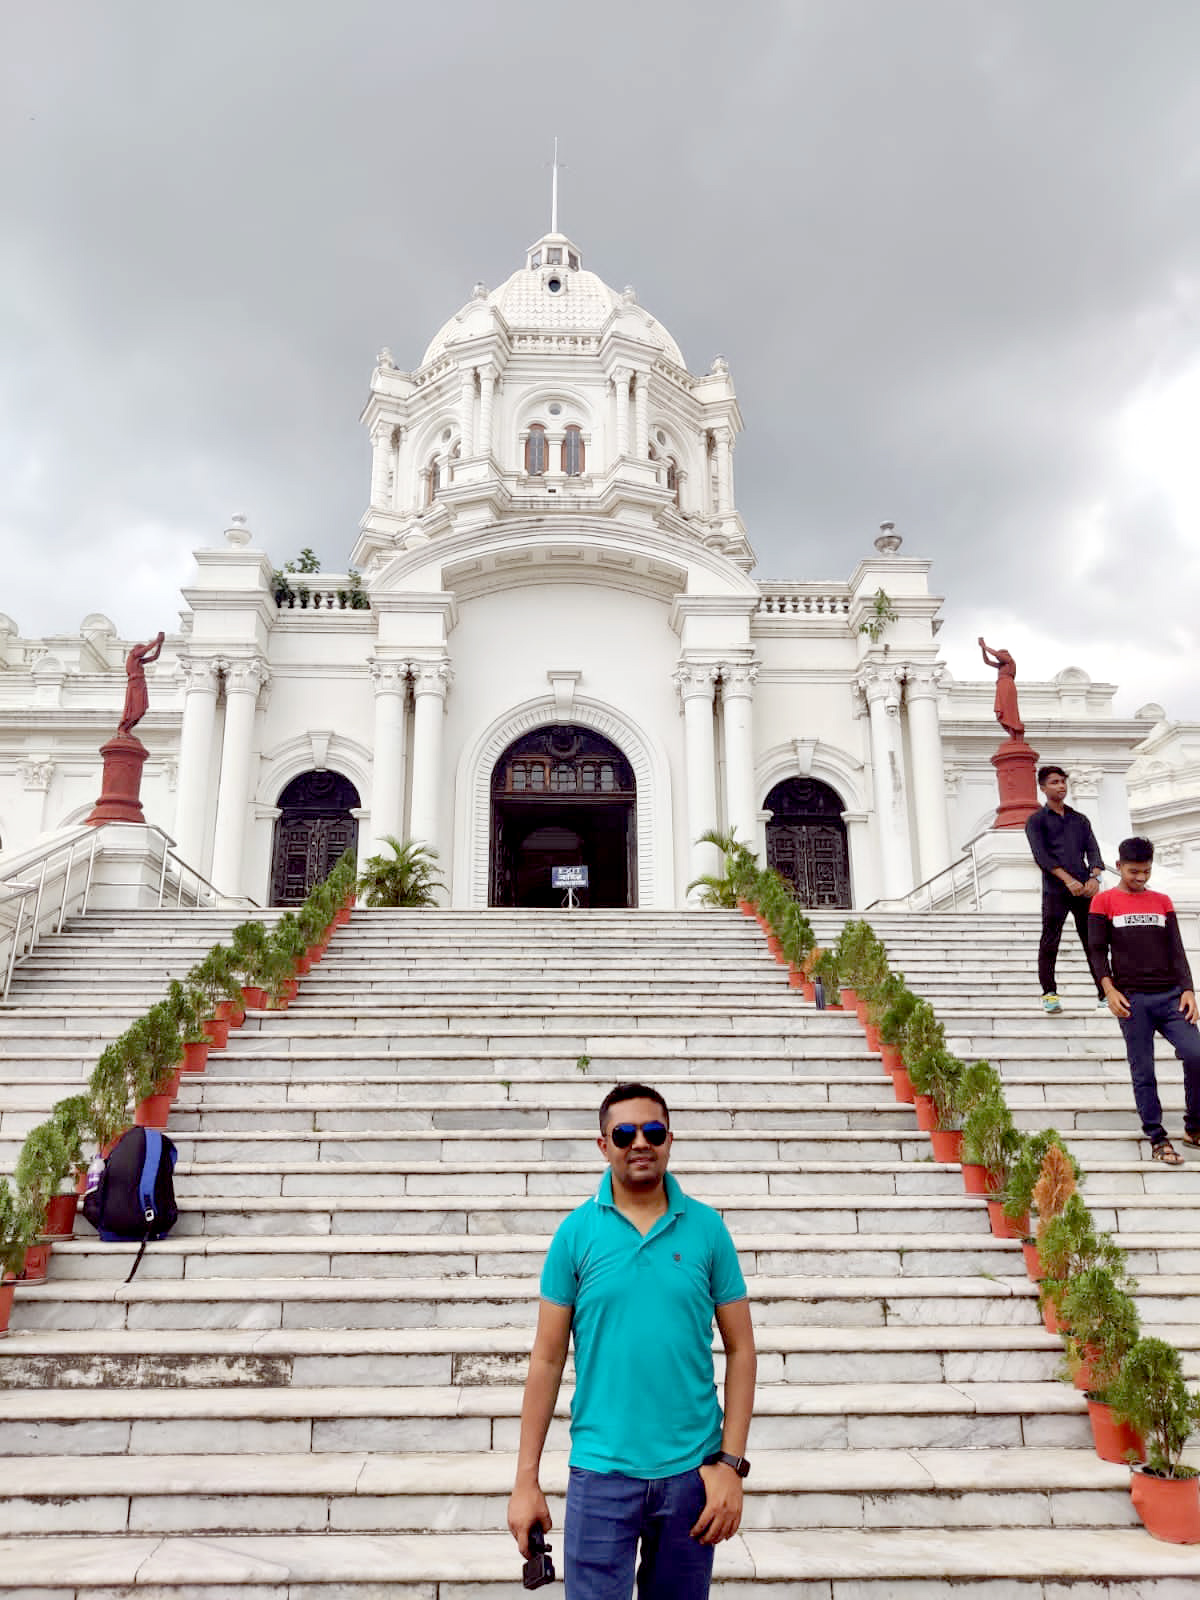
433, 476
572, 451
673, 478
535, 450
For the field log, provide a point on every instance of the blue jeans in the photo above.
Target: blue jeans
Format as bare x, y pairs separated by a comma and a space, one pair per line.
1159, 1013
607, 1513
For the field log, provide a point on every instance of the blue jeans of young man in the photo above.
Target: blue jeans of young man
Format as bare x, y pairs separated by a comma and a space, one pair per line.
607, 1514
1159, 1013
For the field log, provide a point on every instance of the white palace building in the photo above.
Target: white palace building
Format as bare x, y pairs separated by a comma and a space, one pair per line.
558, 653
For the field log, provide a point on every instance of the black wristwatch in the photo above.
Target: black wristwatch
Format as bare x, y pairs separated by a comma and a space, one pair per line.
739, 1463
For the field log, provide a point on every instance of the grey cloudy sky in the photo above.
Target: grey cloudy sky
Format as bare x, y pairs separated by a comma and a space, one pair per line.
951, 249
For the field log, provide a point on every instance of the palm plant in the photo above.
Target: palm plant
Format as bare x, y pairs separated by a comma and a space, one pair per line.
740, 866
406, 877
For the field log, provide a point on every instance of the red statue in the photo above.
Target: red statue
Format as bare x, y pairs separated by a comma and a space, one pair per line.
1008, 713
137, 700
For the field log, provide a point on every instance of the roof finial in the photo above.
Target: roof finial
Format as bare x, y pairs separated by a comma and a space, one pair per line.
554, 190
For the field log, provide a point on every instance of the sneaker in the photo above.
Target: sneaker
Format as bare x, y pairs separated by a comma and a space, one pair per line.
1051, 1004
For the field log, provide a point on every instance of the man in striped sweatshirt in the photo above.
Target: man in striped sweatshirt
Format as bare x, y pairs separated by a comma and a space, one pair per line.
1137, 958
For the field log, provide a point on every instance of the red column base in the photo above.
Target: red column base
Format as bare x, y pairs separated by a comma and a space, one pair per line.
124, 757
1016, 779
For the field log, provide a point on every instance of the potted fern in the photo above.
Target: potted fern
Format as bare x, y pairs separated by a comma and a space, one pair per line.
17, 1232
1151, 1395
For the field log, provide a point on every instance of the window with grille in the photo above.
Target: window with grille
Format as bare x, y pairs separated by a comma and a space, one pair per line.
535, 451
572, 451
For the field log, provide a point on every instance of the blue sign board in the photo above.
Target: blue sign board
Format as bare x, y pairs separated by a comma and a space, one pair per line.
568, 877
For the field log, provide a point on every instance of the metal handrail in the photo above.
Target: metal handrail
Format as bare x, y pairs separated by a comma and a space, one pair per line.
66, 855
911, 897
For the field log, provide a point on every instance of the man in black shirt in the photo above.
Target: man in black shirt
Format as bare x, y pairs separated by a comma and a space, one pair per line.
1065, 848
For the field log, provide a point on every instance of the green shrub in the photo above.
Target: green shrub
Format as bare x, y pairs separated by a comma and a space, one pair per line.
1150, 1393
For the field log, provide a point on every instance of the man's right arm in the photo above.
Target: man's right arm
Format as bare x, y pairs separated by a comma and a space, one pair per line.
527, 1504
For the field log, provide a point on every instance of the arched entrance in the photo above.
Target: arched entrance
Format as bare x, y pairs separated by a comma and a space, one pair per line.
563, 796
806, 841
313, 829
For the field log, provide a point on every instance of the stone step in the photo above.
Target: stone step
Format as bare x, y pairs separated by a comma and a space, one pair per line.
821, 1564
468, 1491
229, 1421
133, 1358
279, 1255
373, 1302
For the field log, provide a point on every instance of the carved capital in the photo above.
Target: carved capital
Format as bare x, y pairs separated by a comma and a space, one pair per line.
738, 679
36, 773
389, 677
200, 673
952, 776
923, 683
881, 685
695, 679
1169, 854
247, 677
1085, 782
432, 677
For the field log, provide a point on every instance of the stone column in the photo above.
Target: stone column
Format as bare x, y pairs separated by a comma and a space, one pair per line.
431, 680
928, 768
243, 680
621, 379
723, 438
381, 453
466, 419
195, 755
641, 416
882, 690
396, 500
390, 679
487, 395
741, 800
696, 684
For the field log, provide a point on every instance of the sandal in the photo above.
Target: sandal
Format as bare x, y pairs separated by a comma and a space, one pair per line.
1192, 1139
1166, 1152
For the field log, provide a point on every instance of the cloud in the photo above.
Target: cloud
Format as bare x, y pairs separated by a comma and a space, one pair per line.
949, 248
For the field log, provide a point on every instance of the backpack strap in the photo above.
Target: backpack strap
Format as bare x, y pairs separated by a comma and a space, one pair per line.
146, 1186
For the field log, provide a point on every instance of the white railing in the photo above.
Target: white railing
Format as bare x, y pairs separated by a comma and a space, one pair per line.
785, 599
942, 891
47, 887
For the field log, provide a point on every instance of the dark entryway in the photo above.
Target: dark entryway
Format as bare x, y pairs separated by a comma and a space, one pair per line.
563, 796
313, 830
806, 841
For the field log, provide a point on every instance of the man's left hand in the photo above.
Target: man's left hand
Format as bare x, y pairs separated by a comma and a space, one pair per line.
1091, 887
722, 1514
1187, 1004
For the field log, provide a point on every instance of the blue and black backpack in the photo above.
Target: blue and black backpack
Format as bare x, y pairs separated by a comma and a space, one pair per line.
132, 1196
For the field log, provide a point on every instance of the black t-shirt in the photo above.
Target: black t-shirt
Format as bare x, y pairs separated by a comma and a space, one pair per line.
1065, 841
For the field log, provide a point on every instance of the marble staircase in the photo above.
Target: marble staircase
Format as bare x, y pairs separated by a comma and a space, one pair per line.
312, 1389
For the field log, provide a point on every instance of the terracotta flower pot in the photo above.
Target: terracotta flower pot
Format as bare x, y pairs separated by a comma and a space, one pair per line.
233, 1014
1114, 1441
1033, 1261
871, 1033
890, 1056
1001, 1227
978, 1179
314, 953
37, 1259
926, 1113
745, 908
808, 988
902, 1084
863, 1010
795, 978
254, 997
291, 988
195, 1056
1084, 1376
60, 1216
153, 1111
849, 998
8, 1286
1050, 1315
217, 1030
947, 1144
302, 964
341, 916
1169, 1507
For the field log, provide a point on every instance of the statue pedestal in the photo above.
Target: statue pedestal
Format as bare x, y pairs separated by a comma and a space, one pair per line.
1016, 778
124, 757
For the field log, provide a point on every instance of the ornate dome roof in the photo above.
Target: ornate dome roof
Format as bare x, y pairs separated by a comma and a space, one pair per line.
552, 293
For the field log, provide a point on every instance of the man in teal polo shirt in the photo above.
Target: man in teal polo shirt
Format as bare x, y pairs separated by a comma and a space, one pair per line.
639, 1272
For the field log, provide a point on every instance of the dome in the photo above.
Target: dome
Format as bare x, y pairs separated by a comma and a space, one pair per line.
552, 293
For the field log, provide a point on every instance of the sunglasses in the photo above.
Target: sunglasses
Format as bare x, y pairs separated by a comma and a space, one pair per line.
623, 1134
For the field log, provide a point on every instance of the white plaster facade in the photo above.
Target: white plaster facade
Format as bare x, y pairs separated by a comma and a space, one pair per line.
551, 537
